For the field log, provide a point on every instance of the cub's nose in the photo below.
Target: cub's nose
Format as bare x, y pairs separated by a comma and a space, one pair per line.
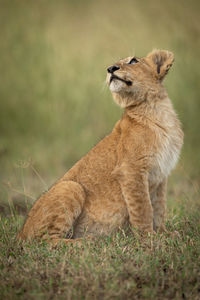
112, 69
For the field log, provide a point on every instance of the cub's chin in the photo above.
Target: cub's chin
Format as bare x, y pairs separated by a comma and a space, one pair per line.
121, 91
117, 86
122, 98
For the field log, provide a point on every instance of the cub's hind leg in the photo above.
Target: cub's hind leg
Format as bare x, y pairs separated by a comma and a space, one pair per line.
53, 214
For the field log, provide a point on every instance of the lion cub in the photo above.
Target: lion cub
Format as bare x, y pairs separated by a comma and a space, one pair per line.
123, 178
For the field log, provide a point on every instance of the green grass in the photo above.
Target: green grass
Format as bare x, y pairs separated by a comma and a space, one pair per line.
54, 107
121, 266
124, 265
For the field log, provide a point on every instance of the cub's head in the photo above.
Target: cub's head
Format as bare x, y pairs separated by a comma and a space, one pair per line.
132, 79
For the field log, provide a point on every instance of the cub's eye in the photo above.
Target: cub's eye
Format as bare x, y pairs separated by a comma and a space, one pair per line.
133, 61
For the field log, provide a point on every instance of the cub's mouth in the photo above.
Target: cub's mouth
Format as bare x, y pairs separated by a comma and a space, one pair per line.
112, 77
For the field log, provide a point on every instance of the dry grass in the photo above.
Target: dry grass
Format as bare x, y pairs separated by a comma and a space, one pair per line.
122, 266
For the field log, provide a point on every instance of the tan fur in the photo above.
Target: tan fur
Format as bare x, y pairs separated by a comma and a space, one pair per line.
123, 178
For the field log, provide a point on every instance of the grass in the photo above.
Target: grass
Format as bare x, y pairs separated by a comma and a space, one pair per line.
121, 266
124, 265
54, 107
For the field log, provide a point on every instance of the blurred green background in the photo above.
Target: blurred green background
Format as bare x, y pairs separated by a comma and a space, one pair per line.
54, 104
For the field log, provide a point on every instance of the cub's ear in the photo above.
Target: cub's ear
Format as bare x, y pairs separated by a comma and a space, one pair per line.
161, 61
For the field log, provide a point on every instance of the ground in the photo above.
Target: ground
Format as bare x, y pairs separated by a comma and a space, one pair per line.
121, 266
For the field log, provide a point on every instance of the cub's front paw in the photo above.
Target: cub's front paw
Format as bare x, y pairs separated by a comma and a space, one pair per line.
159, 229
144, 228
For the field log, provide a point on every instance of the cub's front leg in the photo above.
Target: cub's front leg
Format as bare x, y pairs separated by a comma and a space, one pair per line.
135, 189
158, 200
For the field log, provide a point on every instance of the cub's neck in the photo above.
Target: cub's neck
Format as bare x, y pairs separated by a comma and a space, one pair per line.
152, 110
